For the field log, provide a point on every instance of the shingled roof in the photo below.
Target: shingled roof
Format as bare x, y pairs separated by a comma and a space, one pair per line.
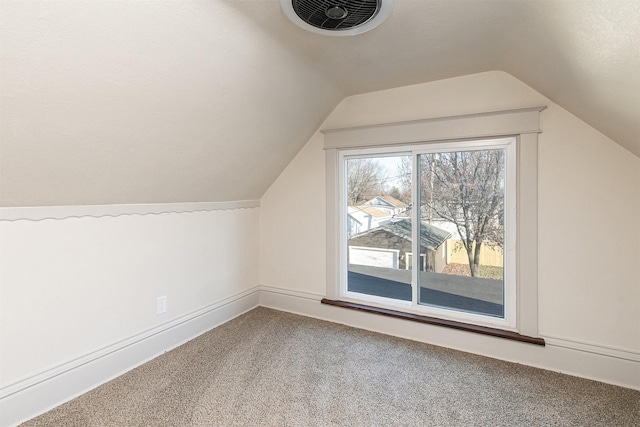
370, 210
431, 237
386, 200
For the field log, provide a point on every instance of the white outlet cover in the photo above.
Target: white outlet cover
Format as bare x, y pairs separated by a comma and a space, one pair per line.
161, 305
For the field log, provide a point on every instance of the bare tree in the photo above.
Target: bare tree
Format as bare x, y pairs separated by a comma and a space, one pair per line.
404, 178
365, 179
466, 188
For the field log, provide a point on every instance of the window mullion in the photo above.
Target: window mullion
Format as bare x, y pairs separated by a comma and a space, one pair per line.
415, 229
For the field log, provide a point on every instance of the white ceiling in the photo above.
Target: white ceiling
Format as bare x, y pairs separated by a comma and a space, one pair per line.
170, 101
581, 54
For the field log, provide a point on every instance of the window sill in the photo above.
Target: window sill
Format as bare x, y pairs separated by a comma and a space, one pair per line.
438, 322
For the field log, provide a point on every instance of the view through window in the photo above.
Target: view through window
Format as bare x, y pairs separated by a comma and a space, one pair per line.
459, 225
379, 226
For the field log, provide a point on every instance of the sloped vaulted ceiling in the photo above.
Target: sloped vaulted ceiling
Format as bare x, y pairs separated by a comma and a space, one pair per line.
170, 101
148, 101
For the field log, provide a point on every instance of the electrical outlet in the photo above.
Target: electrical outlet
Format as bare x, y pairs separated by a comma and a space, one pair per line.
161, 305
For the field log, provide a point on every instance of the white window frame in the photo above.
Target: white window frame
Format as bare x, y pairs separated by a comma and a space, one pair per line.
508, 322
522, 125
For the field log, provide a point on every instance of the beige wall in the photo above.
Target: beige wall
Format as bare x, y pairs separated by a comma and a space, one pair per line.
69, 287
589, 198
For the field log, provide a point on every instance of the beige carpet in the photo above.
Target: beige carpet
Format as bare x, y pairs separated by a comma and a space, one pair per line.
269, 368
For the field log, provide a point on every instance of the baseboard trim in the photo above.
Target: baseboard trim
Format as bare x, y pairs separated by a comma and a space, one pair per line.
618, 353
291, 292
605, 364
36, 394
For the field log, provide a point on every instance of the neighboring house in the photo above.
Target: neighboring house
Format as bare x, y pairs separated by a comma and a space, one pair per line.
388, 204
447, 226
389, 246
354, 226
490, 255
363, 218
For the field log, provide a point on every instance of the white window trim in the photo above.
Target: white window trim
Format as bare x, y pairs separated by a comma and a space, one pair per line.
523, 124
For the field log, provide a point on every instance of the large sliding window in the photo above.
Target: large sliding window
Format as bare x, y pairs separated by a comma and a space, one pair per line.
437, 217
453, 204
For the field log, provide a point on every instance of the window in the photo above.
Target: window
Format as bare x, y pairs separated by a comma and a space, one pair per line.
452, 198
462, 193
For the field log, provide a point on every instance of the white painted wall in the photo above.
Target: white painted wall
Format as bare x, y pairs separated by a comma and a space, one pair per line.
292, 227
589, 203
71, 287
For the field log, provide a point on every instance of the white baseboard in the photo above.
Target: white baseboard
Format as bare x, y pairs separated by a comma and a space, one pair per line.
43, 391
609, 365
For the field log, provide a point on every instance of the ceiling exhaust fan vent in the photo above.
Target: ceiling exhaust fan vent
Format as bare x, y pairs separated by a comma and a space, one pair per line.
337, 17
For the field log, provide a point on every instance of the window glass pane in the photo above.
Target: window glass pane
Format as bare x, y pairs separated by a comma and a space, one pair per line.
379, 226
461, 224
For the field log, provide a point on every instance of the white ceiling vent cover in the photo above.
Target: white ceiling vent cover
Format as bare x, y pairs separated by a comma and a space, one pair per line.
337, 17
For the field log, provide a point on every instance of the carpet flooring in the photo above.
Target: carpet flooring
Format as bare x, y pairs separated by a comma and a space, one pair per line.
270, 368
